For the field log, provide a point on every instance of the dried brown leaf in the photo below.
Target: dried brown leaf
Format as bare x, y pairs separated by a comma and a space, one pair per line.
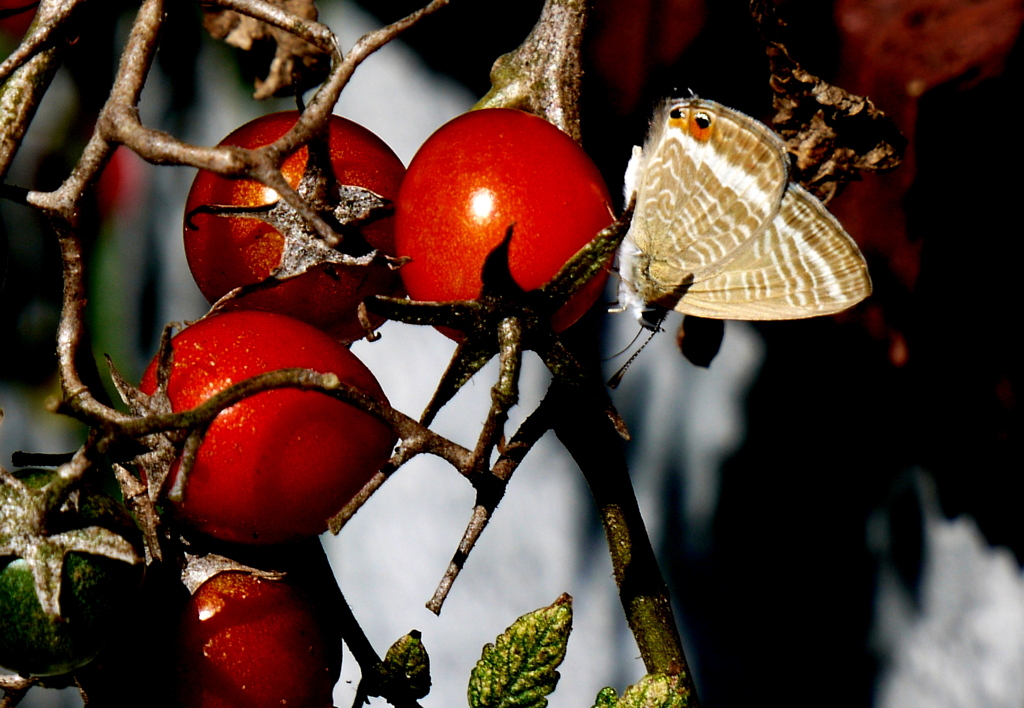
834, 134
296, 62
200, 568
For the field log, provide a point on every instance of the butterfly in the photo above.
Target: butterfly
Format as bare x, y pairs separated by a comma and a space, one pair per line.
720, 232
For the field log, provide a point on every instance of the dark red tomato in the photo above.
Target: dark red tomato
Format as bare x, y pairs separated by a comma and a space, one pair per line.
228, 252
248, 641
274, 467
481, 173
16, 16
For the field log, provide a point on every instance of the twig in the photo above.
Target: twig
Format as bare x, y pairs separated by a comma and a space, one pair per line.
71, 330
323, 101
490, 489
402, 455
504, 393
315, 33
23, 90
50, 17
119, 120
136, 61
414, 435
14, 688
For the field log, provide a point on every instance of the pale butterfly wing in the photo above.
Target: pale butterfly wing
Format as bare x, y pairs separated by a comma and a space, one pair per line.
735, 172
719, 232
803, 265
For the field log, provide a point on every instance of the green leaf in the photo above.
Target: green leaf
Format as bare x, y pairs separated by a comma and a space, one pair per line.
518, 670
606, 698
652, 691
407, 667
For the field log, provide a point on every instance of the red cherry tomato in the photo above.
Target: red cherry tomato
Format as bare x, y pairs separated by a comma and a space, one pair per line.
227, 252
274, 467
481, 173
16, 16
248, 641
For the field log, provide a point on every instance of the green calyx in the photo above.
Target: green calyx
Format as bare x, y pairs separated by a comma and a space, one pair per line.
67, 569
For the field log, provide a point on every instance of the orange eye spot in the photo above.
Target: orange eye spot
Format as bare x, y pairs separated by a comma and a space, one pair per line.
700, 126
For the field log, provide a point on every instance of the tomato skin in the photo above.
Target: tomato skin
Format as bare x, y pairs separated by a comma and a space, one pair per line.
274, 467
95, 592
227, 252
481, 173
16, 24
249, 641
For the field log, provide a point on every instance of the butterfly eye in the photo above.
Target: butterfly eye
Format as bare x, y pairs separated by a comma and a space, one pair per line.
700, 125
677, 118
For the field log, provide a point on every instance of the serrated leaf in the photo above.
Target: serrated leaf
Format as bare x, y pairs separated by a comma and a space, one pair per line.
519, 668
652, 691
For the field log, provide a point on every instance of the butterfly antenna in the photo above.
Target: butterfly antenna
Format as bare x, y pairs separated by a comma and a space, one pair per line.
616, 378
625, 348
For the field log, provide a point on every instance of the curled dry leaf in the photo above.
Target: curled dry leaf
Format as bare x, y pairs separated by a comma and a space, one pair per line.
296, 62
833, 134
200, 568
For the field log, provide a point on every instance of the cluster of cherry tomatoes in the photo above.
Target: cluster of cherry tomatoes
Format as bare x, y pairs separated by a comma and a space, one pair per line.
273, 468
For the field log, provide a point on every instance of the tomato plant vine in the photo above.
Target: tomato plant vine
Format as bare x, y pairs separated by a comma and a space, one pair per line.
163, 443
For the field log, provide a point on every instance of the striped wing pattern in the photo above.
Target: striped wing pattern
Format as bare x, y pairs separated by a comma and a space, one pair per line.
803, 265
734, 184
719, 232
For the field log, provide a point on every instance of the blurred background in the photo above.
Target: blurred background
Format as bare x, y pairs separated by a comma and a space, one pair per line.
832, 500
